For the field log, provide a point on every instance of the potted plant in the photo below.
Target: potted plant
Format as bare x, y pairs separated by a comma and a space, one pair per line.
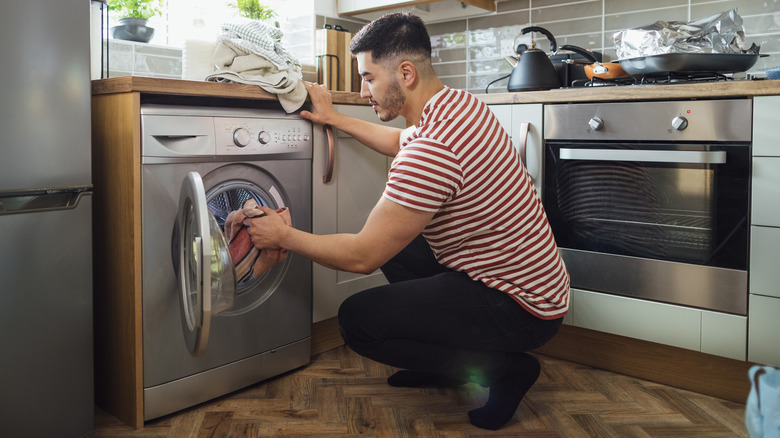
254, 10
133, 16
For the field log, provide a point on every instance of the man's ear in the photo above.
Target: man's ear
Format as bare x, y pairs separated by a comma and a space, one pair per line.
408, 72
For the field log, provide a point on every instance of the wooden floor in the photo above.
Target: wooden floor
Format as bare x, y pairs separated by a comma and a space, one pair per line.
340, 394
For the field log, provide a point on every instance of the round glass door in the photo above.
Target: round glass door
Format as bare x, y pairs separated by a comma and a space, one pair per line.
207, 283
233, 192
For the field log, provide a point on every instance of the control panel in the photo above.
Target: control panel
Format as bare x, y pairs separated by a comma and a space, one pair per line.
260, 136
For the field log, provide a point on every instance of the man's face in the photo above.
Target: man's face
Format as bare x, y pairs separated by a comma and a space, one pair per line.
380, 87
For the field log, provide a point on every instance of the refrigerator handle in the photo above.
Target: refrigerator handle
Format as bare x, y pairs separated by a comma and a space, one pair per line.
38, 200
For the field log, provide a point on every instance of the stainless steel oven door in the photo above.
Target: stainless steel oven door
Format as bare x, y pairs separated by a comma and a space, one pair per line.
660, 221
207, 282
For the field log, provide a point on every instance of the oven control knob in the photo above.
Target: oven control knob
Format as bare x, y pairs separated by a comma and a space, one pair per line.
679, 123
596, 124
264, 137
241, 137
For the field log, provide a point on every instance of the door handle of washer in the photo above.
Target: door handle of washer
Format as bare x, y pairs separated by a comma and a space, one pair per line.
331, 155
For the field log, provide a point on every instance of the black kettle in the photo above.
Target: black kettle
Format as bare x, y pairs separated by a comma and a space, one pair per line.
534, 70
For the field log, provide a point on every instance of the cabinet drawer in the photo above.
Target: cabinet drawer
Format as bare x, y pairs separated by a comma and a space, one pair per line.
766, 191
766, 118
764, 251
646, 320
763, 327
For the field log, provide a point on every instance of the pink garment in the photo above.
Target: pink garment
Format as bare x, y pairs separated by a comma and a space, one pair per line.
248, 260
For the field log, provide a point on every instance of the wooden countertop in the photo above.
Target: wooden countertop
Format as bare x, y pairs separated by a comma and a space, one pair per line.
179, 87
722, 89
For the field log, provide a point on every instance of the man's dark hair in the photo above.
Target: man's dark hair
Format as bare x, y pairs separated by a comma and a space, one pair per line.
399, 33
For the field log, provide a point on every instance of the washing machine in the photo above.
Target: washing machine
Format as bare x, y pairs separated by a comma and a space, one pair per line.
205, 332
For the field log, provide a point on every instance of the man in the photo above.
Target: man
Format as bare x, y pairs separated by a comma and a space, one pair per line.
475, 276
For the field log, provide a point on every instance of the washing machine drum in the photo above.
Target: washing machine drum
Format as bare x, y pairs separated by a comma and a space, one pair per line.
207, 281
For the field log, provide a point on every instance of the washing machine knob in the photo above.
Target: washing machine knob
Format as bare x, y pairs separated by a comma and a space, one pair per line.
241, 137
264, 137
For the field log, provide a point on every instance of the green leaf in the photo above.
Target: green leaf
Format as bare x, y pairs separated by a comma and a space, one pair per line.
253, 10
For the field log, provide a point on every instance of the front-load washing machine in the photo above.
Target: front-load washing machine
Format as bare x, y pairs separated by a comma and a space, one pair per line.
205, 332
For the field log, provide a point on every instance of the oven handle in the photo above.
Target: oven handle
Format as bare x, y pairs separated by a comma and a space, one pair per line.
667, 156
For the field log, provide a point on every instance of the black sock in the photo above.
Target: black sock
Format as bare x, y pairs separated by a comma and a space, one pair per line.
506, 394
413, 379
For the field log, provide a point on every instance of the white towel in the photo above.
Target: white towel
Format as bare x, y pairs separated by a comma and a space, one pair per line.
249, 52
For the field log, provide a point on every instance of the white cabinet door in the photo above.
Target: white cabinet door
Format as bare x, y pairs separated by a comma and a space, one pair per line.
763, 330
764, 304
343, 204
766, 191
655, 322
766, 117
523, 122
764, 254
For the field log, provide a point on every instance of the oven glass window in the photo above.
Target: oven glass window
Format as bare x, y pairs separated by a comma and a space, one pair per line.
682, 203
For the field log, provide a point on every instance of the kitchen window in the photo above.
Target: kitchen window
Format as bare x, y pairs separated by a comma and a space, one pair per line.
182, 20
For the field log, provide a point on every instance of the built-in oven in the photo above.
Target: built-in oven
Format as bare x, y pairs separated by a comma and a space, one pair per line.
650, 199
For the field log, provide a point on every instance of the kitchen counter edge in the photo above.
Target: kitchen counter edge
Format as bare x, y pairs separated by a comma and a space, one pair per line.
704, 90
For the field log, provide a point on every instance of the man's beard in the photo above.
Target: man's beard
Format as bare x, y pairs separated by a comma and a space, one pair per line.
392, 102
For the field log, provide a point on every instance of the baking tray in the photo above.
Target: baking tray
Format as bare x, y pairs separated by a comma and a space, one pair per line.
688, 63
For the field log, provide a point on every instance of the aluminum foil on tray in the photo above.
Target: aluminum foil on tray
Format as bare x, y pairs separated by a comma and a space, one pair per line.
715, 44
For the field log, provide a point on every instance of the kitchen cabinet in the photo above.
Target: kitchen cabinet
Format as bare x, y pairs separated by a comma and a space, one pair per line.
428, 10
342, 205
763, 330
713, 333
764, 302
512, 119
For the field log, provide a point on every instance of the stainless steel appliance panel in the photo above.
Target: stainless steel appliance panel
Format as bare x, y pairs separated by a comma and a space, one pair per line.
46, 240
687, 284
250, 327
45, 110
704, 120
46, 315
651, 199
267, 330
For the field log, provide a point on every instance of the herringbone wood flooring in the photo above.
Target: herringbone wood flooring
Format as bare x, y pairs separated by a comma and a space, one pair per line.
340, 394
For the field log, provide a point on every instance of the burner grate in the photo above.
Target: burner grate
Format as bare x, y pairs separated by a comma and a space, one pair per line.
660, 79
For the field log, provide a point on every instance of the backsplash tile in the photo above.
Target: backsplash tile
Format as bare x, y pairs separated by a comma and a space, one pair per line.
477, 46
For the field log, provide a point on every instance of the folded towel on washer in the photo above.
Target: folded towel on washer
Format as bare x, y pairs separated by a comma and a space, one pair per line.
249, 261
250, 52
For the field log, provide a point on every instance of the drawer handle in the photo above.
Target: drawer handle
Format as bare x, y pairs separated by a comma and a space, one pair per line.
331, 155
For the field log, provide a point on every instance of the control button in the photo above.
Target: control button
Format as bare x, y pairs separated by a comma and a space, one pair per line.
596, 124
305, 137
264, 137
241, 137
679, 123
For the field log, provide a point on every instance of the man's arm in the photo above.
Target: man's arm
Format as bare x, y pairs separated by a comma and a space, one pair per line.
381, 138
389, 228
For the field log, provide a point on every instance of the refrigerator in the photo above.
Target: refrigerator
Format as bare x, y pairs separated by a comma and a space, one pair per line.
46, 370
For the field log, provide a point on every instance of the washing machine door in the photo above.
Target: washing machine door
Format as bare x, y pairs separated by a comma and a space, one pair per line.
207, 281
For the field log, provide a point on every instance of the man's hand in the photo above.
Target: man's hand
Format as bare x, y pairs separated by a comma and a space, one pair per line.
267, 231
322, 112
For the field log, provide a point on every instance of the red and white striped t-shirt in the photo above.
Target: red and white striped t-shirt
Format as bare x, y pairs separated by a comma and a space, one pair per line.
489, 223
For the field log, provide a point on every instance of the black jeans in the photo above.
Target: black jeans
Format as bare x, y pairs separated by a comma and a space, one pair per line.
432, 319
